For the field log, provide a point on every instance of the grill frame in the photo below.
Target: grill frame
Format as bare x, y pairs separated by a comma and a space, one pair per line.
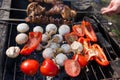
92, 68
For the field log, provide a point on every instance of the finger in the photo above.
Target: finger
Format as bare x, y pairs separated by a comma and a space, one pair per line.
111, 10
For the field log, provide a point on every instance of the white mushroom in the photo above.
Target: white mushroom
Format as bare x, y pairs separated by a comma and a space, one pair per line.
64, 29
22, 27
39, 48
65, 48
60, 59
58, 38
38, 29
51, 29
13, 51
76, 46
54, 46
21, 38
48, 53
45, 38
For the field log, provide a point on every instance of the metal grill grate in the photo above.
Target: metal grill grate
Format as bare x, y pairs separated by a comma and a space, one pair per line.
92, 71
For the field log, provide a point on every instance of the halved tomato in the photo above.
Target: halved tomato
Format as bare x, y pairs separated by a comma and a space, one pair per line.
72, 67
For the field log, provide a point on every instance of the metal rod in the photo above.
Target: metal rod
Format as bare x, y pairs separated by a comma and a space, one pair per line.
12, 19
13, 9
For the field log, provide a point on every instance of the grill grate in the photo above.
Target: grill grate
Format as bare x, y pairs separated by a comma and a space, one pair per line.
11, 66
92, 71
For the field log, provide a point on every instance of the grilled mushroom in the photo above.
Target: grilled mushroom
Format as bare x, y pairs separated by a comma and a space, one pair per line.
22, 27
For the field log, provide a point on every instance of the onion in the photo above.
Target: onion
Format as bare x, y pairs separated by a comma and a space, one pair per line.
64, 29
38, 29
21, 38
13, 52
22, 27
60, 59
48, 53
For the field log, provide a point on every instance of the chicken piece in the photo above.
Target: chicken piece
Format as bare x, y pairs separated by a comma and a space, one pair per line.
47, 1
40, 19
63, 10
35, 8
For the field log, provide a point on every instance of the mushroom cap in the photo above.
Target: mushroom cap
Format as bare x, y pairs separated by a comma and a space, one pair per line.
12, 51
60, 38
21, 38
66, 48
38, 29
22, 27
64, 29
45, 38
48, 53
60, 59
76, 46
51, 28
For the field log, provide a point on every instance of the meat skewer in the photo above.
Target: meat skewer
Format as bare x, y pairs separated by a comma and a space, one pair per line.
46, 20
47, 1
63, 10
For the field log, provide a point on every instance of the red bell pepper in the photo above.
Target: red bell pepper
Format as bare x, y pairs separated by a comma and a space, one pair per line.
100, 57
33, 42
89, 32
78, 30
71, 37
85, 42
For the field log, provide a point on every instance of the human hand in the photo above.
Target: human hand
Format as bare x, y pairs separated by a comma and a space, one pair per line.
112, 8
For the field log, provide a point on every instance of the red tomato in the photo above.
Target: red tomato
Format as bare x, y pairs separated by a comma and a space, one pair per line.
34, 40
89, 32
101, 58
81, 59
72, 67
78, 30
29, 67
71, 37
49, 68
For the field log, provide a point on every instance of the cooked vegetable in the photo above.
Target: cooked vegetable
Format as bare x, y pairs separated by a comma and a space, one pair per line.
13, 51
76, 47
51, 29
78, 30
49, 68
45, 38
22, 27
101, 58
38, 29
29, 67
32, 44
64, 29
89, 32
60, 59
71, 37
58, 38
81, 59
48, 53
72, 67
65, 48
21, 38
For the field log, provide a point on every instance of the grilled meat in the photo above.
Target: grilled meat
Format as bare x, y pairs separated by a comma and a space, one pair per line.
62, 9
47, 1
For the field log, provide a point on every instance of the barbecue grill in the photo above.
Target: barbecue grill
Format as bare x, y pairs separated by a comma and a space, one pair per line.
10, 67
